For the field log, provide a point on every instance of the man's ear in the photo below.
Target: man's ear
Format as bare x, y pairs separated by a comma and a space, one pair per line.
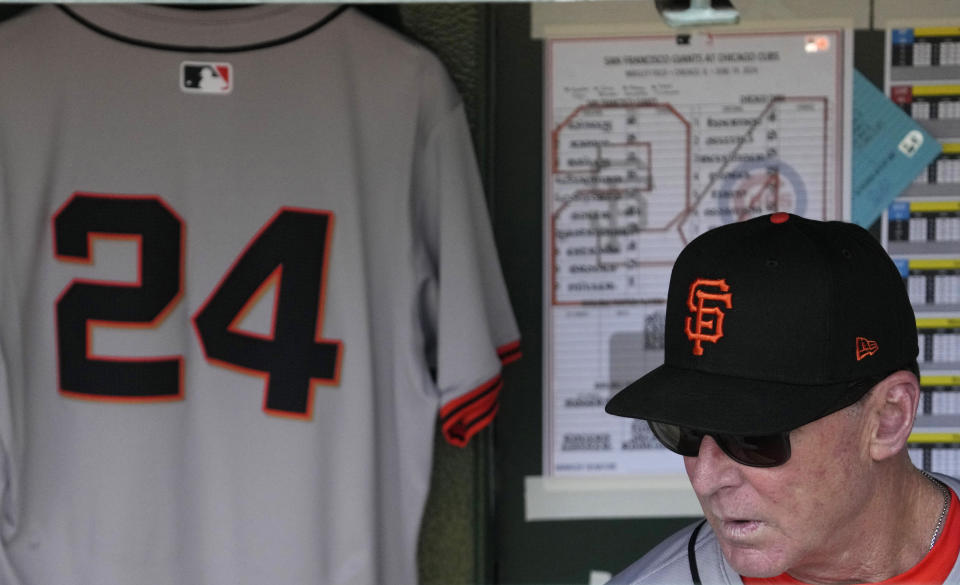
893, 407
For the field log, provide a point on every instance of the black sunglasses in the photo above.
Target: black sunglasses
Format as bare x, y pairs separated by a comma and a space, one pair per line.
752, 450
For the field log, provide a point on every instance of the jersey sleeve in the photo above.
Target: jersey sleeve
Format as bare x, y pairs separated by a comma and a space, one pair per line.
470, 323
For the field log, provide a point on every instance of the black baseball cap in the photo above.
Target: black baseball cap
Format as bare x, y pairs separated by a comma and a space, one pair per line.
772, 323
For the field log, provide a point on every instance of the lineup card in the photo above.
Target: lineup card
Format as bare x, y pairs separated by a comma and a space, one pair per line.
921, 231
650, 142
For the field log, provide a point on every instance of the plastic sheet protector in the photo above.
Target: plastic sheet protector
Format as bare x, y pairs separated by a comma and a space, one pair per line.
649, 142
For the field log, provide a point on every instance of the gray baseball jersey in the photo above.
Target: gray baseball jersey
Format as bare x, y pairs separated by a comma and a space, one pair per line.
246, 262
669, 562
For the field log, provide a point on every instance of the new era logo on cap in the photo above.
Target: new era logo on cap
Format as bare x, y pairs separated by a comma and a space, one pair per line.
208, 78
865, 347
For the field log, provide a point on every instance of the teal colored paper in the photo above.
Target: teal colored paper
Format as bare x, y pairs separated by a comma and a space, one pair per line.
884, 136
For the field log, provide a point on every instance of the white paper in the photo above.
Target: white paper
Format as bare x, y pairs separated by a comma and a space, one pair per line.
650, 142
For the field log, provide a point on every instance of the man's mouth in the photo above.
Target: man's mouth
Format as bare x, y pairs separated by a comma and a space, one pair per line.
737, 529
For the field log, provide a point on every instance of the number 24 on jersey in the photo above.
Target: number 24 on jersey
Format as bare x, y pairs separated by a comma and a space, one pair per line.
289, 252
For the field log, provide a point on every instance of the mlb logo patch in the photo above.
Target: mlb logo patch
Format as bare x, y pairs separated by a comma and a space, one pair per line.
209, 78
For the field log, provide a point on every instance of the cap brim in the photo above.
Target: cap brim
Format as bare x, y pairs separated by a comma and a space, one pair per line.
727, 404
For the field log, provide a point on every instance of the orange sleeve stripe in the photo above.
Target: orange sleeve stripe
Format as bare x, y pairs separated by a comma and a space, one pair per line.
458, 431
467, 415
454, 406
510, 352
480, 407
461, 423
460, 437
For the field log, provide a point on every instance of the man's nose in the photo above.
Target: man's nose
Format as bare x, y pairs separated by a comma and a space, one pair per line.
712, 469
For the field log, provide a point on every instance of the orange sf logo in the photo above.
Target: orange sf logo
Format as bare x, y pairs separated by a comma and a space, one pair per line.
695, 302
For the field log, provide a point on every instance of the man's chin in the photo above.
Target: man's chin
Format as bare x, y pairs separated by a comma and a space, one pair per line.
754, 562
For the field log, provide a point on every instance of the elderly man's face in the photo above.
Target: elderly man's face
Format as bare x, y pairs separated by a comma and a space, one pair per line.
797, 517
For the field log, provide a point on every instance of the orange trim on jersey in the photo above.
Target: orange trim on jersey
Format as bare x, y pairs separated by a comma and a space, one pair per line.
480, 409
478, 425
509, 353
451, 408
467, 415
932, 569
458, 432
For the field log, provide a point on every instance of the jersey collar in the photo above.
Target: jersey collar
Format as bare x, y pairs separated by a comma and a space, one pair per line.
203, 31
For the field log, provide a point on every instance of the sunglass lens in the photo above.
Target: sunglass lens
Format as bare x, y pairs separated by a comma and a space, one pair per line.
757, 450
676, 438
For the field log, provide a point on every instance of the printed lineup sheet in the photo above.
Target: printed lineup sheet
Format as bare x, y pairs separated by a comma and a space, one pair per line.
921, 231
650, 142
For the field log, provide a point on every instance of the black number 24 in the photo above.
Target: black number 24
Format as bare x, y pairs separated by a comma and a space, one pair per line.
290, 251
